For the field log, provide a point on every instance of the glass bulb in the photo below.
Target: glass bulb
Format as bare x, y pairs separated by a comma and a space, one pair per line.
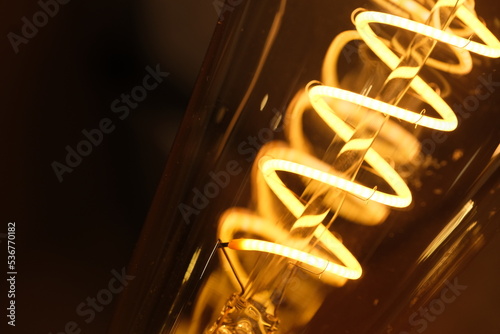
316, 154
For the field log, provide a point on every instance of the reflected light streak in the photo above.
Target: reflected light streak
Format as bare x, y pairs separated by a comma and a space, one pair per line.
447, 230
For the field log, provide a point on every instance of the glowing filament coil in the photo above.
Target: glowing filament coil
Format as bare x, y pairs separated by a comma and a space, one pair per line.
276, 158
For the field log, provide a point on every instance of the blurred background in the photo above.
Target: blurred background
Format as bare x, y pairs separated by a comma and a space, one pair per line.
71, 235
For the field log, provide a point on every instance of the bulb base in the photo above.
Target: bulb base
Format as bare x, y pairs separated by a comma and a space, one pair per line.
241, 316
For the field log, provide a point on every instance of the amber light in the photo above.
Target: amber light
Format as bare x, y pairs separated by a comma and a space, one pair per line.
317, 93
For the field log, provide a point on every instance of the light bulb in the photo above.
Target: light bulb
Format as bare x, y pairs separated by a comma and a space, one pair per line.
324, 157
288, 159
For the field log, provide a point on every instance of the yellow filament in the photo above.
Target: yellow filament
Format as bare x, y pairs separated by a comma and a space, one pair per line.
275, 159
351, 271
403, 199
448, 123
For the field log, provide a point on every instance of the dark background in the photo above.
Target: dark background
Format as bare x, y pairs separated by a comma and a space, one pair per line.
71, 235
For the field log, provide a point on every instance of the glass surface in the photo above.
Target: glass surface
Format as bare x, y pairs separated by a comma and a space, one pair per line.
292, 137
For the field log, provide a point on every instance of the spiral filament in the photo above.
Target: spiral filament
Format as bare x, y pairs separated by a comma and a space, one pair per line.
296, 230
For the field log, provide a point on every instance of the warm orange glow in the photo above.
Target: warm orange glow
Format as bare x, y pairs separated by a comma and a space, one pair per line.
297, 158
271, 166
323, 265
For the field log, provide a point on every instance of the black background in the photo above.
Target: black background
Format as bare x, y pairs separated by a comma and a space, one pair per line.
71, 235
